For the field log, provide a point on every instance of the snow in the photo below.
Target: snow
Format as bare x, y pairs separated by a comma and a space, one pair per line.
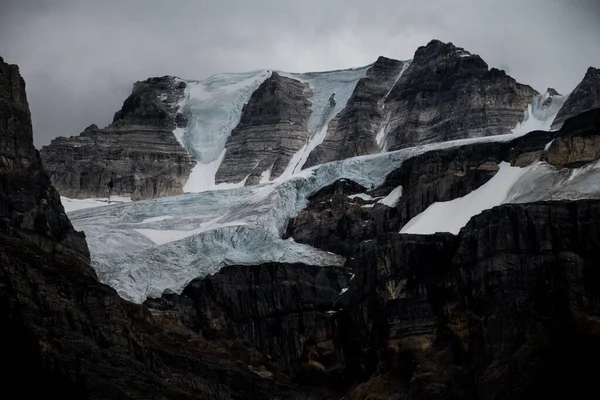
213, 107
156, 219
80, 204
392, 199
266, 175
167, 236
451, 216
244, 225
202, 177
339, 84
344, 290
383, 129
548, 145
538, 117
363, 196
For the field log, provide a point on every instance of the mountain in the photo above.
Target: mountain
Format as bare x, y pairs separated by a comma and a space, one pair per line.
261, 126
72, 335
136, 156
463, 266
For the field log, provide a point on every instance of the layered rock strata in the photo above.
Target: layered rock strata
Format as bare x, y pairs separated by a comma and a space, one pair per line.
136, 156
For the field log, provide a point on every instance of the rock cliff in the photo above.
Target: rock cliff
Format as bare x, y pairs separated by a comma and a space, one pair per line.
272, 128
505, 309
353, 131
74, 337
448, 93
337, 221
584, 97
136, 156
30, 208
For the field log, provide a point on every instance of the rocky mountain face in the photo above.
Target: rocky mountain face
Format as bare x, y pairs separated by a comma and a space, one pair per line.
447, 93
584, 97
30, 207
353, 131
75, 337
508, 308
272, 128
337, 220
444, 93
136, 156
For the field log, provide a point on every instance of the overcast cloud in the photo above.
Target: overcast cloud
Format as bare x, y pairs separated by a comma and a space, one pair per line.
81, 57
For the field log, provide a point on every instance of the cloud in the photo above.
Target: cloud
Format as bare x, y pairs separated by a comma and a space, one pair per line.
81, 57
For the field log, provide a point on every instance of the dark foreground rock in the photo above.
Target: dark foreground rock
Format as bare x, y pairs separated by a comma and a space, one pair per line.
30, 207
67, 336
136, 156
507, 309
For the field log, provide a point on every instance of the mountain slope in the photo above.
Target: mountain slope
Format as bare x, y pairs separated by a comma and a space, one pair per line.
261, 126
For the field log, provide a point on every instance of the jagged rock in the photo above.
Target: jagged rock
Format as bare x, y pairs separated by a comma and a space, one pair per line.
584, 97
136, 156
30, 208
281, 309
334, 222
447, 93
272, 128
506, 309
353, 131
75, 337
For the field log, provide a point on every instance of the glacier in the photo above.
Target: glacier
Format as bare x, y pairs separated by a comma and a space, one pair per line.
143, 248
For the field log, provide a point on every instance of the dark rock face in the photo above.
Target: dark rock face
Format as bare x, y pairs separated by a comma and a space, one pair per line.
136, 156
584, 97
30, 208
337, 223
353, 131
281, 309
446, 93
506, 309
272, 128
75, 337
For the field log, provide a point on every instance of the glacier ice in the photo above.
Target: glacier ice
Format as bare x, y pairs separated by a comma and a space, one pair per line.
141, 254
540, 113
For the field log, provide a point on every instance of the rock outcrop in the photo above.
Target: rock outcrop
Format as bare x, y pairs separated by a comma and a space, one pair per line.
136, 156
74, 337
272, 128
507, 309
283, 310
447, 93
585, 96
336, 221
30, 207
353, 131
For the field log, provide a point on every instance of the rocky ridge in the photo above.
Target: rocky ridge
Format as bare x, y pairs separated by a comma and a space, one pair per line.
272, 128
75, 337
585, 96
444, 93
136, 156
353, 131
448, 93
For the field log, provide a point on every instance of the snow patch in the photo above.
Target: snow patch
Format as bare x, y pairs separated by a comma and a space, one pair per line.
451, 216
156, 219
392, 199
363, 196
79, 204
540, 113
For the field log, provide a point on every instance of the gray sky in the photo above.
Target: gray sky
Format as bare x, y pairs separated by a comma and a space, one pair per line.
81, 57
